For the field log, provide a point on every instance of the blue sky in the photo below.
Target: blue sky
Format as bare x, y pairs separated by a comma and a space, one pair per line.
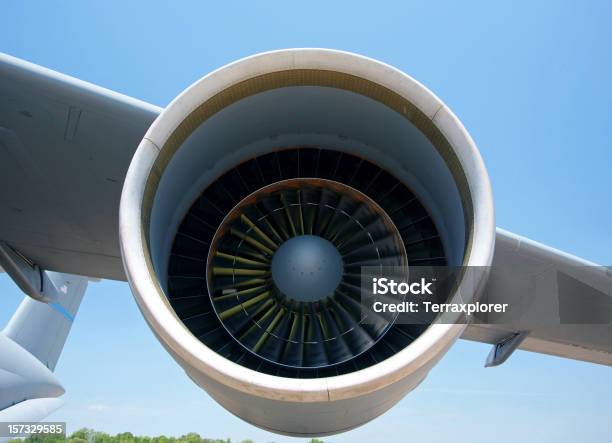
530, 81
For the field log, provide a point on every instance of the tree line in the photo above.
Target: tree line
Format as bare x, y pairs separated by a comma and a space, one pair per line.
91, 436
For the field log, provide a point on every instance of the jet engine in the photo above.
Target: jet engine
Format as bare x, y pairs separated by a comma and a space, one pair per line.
250, 207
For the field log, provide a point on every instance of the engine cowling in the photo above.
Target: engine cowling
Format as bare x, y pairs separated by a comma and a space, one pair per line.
257, 174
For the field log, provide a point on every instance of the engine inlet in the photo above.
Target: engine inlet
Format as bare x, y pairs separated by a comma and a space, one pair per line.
274, 281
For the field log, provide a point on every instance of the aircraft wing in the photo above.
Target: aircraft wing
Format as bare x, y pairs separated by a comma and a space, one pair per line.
65, 146
574, 290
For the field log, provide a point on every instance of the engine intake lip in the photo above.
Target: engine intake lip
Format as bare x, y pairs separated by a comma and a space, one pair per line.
274, 70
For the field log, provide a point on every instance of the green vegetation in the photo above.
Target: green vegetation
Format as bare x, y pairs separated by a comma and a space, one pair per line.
91, 436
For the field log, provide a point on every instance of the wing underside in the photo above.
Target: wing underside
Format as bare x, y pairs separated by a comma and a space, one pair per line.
65, 146
569, 301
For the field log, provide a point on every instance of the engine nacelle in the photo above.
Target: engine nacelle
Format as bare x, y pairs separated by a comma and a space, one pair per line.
315, 156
